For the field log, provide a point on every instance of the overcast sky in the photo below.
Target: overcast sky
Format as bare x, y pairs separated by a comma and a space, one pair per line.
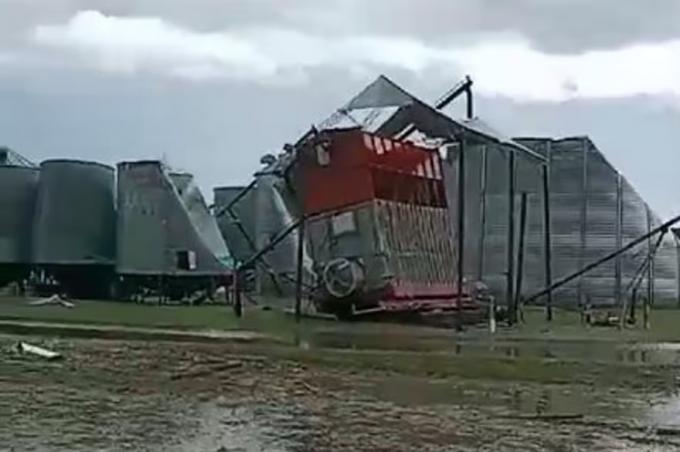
211, 85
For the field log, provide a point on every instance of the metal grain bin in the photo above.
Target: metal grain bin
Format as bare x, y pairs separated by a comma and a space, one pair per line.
18, 188
75, 216
161, 221
240, 238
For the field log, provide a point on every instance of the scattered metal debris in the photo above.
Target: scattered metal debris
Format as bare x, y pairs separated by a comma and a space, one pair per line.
24, 347
53, 300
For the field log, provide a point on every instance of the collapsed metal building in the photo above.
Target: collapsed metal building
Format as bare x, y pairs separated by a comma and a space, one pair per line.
500, 193
165, 230
251, 217
489, 252
593, 209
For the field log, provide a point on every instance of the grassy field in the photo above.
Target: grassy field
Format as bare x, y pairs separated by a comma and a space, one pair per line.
563, 351
110, 313
567, 326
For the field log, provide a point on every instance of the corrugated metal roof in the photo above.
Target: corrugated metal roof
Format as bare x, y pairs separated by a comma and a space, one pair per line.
9, 157
383, 100
483, 128
369, 119
383, 92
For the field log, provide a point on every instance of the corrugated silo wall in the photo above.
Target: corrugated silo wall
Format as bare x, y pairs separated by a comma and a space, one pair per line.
154, 223
589, 199
244, 209
487, 200
274, 212
74, 220
18, 192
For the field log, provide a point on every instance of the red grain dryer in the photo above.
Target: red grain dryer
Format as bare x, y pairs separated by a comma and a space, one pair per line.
378, 225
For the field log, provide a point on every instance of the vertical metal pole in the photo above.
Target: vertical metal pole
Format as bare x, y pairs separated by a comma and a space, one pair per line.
510, 273
238, 305
482, 219
461, 232
520, 252
470, 103
677, 256
299, 270
619, 239
161, 289
547, 240
652, 255
584, 217
650, 272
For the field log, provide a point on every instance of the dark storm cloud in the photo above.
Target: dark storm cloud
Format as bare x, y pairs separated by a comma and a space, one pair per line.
550, 25
218, 128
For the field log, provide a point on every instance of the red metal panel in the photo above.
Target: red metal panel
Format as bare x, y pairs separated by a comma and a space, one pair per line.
364, 166
330, 190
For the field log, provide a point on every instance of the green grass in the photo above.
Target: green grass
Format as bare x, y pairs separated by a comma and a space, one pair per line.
383, 344
665, 326
566, 325
128, 314
208, 317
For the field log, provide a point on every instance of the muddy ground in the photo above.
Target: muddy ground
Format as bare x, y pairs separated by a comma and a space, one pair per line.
169, 396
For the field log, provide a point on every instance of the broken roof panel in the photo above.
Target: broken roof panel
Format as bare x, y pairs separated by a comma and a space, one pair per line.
384, 107
369, 119
483, 128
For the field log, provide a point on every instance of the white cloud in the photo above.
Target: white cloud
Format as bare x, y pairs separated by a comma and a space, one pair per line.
515, 70
508, 67
125, 44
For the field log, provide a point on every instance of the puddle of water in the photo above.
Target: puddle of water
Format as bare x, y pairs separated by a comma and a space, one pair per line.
510, 398
600, 351
245, 429
665, 411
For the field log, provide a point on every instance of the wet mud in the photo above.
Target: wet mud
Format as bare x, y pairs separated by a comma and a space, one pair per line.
178, 396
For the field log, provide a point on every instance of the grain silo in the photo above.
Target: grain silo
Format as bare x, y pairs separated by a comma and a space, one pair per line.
166, 234
74, 225
75, 214
18, 189
238, 229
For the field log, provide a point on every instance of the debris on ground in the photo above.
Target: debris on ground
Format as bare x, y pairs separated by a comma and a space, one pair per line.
24, 347
51, 301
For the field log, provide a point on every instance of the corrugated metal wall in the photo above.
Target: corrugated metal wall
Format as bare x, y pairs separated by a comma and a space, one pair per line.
244, 209
18, 193
399, 244
70, 232
590, 202
155, 222
588, 199
487, 204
